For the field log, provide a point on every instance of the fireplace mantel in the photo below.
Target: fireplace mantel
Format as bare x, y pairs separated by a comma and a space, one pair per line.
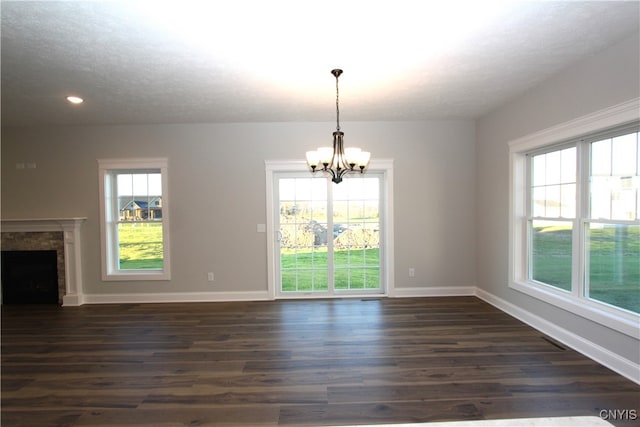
41, 224
70, 228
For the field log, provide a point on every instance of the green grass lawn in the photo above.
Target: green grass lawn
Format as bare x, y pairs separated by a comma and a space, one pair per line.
140, 245
552, 252
614, 263
614, 266
306, 270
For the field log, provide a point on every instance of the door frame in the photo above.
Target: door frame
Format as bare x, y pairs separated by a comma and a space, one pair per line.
382, 166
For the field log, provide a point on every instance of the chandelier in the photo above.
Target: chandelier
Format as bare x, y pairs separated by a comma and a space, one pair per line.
338, 161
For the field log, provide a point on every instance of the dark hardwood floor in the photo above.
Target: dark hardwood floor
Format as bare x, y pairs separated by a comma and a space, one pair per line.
322, 362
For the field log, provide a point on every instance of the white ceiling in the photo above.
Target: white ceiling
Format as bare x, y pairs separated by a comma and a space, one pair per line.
186, 61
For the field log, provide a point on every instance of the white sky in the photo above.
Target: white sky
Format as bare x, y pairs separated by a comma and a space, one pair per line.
141, 184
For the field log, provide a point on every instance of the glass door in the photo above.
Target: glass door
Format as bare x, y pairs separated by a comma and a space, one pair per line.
328, 239
302, 236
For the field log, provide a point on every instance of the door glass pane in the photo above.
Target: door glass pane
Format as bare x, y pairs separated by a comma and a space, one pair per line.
303, 234
322, 232
357, 234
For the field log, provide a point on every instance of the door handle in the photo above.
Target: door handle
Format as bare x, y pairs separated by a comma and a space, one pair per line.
278, 236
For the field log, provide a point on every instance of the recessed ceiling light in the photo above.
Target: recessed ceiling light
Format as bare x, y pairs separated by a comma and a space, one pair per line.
75, 99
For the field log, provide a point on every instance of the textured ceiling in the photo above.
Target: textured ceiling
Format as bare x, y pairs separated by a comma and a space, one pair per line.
186, 61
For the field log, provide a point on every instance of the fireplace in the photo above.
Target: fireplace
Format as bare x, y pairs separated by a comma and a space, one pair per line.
29, 277
58, 236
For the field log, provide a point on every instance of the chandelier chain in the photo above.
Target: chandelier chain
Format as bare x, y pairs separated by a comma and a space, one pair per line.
337, 106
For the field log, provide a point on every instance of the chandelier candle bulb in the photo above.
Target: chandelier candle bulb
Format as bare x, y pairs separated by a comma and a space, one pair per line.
325, 155
352, 154
363, 159
313, 159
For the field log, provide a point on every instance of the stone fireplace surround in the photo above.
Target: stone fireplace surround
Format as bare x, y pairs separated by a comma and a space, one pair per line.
60, 234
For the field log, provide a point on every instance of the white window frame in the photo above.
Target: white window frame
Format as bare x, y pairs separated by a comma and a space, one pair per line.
109, 216
332, 291
604, 314
387, 260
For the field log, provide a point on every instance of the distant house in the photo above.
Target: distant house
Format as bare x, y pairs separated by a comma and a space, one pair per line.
138, 209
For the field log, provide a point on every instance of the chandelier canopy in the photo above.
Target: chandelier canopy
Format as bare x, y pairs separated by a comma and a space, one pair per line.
338, 161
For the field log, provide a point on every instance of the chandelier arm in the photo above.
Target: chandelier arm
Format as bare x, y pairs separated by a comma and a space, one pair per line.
342, 173
338, 173
331, 172
339, 159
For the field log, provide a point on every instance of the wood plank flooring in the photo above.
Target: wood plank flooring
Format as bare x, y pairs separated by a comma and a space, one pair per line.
320, 362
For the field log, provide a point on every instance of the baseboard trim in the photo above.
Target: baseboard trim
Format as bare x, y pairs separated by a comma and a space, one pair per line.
72, 300
169, 297
440, 291
590, 349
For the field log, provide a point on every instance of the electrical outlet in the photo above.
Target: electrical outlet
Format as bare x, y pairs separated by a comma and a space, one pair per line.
412, 272
210, 277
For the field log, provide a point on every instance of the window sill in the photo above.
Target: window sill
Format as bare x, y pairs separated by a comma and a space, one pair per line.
624, 322
136, 276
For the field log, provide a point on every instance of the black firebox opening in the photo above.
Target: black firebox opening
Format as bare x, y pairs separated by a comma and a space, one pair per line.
29, 277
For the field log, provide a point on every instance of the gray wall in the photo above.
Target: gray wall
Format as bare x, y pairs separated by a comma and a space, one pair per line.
603, 80
217, 193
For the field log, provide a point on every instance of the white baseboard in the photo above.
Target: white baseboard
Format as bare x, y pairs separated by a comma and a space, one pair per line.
72, 300
590, 349
441, 291
176, 297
